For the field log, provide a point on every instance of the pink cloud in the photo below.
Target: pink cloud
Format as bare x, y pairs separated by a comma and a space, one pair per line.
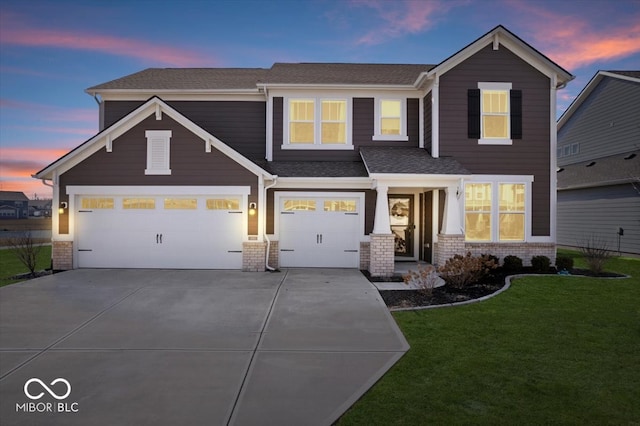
574, 42
16, 32
52, 112
401, 18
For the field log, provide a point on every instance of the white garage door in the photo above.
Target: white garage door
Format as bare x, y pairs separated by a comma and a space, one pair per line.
320, 231
190, 232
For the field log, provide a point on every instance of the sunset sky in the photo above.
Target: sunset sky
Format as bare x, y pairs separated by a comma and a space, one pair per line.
51, 51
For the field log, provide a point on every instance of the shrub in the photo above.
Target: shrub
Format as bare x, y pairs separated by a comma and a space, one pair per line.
512, 264
460, 271
564, 263
425, 278
595, 252
540, 264
26, 250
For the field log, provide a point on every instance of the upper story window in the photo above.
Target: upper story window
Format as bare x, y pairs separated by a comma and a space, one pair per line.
158, 150
495, 114
317, 123
390, 119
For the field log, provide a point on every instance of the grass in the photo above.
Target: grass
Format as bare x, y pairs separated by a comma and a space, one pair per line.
550, 350
10, 265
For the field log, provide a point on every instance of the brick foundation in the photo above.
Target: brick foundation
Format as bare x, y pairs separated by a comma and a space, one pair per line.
62, 255
274, 252
524, 251
253, 256
381, 255
446, 247
365, 255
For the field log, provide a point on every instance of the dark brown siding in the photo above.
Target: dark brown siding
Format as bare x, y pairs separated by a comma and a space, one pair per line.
239, 124
427, 122
369, 205
189, 163
527, 156
362, 133
115, 110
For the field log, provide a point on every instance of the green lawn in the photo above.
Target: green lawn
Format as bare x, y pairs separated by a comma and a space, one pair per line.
550, 350
10, 265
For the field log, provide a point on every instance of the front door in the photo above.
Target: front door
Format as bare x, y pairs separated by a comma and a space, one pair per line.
402, 226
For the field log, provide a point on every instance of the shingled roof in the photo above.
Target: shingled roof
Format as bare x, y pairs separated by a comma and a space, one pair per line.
343, 169
200, 79
612, 170
408, 161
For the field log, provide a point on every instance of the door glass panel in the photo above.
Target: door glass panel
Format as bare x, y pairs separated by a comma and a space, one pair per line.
180, 203
299, 205
223, 204
340, 205
97, 203
138, 203
401, 220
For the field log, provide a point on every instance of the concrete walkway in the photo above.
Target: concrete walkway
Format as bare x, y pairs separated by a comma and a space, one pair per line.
191, 347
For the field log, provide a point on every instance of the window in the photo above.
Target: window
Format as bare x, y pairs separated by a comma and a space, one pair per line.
390, 118
158, 150
348, 206
180, 203
223, 204
511, 223
495, 212
477, 212
96, 203
314, 123
302, 121
293, 205
494, 114
138, 203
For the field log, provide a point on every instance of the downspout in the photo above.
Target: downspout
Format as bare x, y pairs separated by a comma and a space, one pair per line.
266, 237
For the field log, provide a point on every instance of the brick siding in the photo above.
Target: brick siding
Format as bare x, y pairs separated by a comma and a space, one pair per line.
365, 255
253, 256
381, 255
62, 255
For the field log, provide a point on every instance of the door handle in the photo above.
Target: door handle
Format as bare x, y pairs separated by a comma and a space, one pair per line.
157, 238
317, 238
160, 238
320, 238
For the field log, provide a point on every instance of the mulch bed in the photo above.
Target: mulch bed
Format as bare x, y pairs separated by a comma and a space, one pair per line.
446, 294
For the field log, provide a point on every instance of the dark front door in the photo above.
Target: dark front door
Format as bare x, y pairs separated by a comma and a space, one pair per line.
402, 226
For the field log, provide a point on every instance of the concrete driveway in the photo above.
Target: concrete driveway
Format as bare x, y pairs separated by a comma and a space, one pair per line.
160, 347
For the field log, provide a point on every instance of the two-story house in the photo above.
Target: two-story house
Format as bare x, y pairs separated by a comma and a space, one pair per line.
599, 164
316, 164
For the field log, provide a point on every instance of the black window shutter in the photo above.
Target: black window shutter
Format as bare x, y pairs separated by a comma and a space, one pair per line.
516, 114
473, 113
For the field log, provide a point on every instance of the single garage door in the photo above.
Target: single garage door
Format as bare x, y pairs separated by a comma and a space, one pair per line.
320, 231
186, 232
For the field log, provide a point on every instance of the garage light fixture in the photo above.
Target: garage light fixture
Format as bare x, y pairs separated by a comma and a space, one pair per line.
63, 207
252, 209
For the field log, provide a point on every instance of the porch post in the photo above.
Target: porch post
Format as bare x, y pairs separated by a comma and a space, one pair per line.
381, 224
381, 243
451, 237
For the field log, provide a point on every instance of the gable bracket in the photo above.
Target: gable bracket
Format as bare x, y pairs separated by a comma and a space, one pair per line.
496, 41
208, 144
109, 144
158, 112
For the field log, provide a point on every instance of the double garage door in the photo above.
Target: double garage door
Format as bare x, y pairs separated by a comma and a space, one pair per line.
320, 231
159, 231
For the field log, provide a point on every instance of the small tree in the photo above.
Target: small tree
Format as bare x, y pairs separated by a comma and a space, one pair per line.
596, 252
460, 271
26, 250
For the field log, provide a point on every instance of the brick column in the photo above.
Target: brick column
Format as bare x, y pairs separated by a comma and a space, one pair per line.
381, 255
253, 256
365, 256
447, 246
274, 254
62, 255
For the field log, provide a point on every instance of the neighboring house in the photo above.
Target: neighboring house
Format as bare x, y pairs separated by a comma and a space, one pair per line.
599, 164
13, 205
40, 208
316, 164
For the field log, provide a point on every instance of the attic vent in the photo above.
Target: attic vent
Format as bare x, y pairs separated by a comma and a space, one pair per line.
630, 156
593, 163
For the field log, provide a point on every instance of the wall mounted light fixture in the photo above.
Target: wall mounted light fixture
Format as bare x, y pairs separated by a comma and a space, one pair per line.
252, 209
63, 207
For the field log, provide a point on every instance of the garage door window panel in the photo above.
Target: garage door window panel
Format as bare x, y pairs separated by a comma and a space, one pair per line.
138, 203
97, 203
180, 203
299, 205
348, 206
223, 204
